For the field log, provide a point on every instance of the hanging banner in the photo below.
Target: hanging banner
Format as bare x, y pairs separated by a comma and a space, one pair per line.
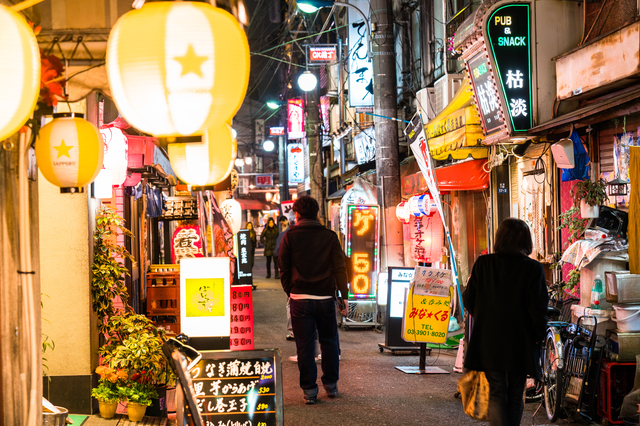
420, 148
360, 70
295, 162
187, 242
364, 144
295, 113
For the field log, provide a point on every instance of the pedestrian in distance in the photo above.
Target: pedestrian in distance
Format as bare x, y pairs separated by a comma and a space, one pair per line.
254, 241
312, 267
506, 296
284, 227
268, 237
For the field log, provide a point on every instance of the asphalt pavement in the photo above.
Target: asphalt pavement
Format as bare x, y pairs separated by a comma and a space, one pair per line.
371, 390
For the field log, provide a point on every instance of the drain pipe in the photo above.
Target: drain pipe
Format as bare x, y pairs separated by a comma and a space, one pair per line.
26, 280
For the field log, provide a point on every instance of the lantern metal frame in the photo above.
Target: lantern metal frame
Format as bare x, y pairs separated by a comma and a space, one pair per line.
618, 188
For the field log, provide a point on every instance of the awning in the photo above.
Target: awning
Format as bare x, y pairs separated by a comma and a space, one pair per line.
463, 176
250, 204
337, 195
457, 127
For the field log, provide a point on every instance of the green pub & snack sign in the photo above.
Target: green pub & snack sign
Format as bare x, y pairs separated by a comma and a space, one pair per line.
509, 35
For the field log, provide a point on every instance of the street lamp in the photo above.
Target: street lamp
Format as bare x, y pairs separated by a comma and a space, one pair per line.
311, 6
268, 145
248, 160
307, 81
274, 104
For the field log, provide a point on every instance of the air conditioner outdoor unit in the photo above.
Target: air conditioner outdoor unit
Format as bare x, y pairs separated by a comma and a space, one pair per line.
427, 103
445, 88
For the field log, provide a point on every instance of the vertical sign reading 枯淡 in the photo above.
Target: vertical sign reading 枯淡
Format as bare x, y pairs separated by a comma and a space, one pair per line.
486, 93
509, 35
363, 236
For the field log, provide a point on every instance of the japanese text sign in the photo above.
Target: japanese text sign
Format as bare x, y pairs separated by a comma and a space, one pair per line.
432, 281
276, 131
295, 113
244, 258
295, 162
360, 70
241, 336
239, 388
187, 242
363, 236
264, 180
487, 98
509, 34
322, 54
204, 297
426, 318
400, 281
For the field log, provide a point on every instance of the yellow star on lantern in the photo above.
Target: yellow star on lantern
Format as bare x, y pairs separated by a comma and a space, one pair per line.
63, 149
191, 62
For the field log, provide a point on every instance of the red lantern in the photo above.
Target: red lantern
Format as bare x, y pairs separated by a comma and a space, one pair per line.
402, 212
426, 238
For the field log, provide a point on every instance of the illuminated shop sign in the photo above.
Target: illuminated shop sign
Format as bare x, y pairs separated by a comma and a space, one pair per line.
509, 35
487, 98
362, 247
295, 162
276, 131
322, 54
360, 69
295, 111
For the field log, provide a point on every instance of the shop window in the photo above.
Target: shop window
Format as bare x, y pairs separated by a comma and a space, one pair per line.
259, 165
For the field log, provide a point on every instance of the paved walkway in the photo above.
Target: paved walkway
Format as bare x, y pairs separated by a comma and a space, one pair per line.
372, 390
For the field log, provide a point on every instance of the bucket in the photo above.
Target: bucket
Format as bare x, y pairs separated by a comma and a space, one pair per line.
627, 317
55, 419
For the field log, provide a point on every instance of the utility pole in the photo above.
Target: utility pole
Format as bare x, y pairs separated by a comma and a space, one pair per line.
385, 104
315, 149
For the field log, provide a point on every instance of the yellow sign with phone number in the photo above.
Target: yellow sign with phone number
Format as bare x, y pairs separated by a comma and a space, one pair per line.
425, 318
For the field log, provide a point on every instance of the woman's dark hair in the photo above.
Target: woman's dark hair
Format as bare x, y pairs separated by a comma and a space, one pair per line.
513, 236
307, 207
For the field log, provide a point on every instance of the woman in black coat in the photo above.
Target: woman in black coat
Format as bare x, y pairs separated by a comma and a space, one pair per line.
507, 297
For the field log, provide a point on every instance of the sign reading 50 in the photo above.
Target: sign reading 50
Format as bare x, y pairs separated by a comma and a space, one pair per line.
362, 248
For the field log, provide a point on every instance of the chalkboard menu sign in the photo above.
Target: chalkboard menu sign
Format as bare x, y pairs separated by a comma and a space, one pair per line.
245, 259
239, 388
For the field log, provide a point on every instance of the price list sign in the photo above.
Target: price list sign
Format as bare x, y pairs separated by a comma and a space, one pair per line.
239, 388
241, 336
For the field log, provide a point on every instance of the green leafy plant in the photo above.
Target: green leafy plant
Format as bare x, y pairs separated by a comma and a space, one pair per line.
107, 389
138, 392
136, 346
573, 223
574, 280
593, 193
108, 272
46, 343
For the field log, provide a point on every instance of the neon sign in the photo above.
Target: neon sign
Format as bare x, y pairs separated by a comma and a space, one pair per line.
363, 236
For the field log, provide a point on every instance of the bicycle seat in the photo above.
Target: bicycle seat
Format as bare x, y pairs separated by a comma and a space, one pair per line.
553, 312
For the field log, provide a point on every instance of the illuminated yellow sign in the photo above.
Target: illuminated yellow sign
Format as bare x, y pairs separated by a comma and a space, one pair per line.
362, 267
426, 318
362, 221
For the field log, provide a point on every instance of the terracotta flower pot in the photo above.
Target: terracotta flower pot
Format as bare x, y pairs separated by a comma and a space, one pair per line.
135, 411
107, 409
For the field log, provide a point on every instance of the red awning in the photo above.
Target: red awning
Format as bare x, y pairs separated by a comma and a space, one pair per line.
465, 176
249, 204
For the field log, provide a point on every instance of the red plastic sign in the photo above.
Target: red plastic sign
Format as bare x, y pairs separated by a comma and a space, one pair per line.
241, 337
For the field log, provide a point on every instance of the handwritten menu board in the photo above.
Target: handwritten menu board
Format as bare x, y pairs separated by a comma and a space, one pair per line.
241, 388
241, 337
432, 281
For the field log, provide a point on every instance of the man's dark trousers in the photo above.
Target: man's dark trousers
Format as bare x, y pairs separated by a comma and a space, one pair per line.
307, 315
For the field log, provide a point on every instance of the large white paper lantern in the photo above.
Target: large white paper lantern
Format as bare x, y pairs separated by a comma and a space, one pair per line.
426, 238
115, 154
19, 72
177, 68
69, 151
205, 163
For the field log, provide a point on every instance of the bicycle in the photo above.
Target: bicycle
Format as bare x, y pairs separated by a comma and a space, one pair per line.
567, 362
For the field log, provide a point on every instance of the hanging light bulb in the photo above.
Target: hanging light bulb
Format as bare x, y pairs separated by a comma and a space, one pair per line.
248, 160
268, 145
307, 81
239, 162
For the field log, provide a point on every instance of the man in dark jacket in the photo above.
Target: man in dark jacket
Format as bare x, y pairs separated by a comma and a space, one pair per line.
311, 266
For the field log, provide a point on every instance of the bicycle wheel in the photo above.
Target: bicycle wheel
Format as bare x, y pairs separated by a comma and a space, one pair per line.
552, 376
534, 390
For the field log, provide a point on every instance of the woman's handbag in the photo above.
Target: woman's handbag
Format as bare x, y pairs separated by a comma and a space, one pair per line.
474, 390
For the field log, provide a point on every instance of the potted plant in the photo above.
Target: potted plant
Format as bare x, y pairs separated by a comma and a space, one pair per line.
107, 392
589, 196
139, 394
